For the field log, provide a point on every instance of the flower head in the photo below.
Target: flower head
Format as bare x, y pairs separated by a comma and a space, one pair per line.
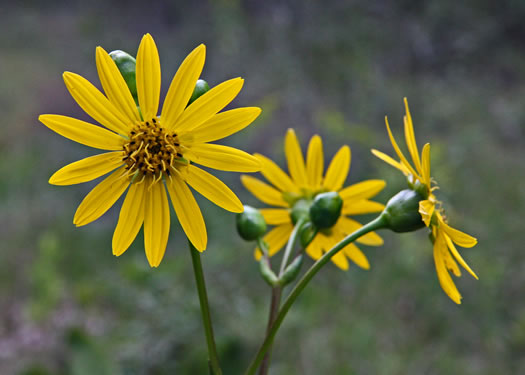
150, 153
290, 192
442, 235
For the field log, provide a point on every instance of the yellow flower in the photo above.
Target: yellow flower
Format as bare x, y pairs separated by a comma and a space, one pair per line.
442, 235
148, 152
305, 182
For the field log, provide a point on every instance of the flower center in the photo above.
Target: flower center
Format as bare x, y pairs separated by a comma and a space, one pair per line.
151, 150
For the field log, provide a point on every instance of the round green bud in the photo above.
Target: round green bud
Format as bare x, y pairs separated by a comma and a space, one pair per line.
401, 213
250, 224
126, 64
201, 87
326, 209
299, 210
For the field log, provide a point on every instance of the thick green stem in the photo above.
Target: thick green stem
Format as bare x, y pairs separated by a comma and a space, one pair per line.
205, 310
375, 224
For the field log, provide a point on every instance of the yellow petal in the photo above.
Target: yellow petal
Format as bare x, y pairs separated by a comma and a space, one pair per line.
338, 170
101, 198
444, 278
426, 209
295, 160
182, 86
224, 158
404, 161
275, 216
276, 239
426, 165
362, 190
348, 226
361, 207
357, 256
222, 125
156, 222
87, 169
148, 77
212, 188
387, 159
264, 192
314, 249
459, 238
115, 87
207, 105
458, 257
188, 212
340, 260
275, 175
130, 219
95, 104
315, 162
83, 132
410, 139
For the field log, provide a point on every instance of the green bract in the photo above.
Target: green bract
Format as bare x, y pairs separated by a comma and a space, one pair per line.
250, 224
126, 65
326, 209
402, 212
200, 88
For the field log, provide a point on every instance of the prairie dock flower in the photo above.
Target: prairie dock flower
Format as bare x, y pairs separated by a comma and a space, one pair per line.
154, 156
443, 237
295, 193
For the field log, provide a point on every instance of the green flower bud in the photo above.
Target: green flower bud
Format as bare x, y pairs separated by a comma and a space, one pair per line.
200, 88
307, 234
419, 187
250, 224
291, 272
326, 209
126, 65
299, 210
401, 213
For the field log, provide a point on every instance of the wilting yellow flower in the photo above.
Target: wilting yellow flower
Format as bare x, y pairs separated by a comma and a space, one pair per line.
305, 182
443, 236
149, 152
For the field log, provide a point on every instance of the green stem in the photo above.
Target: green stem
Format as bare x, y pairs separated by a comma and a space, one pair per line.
205, 310
375, 224
291, 244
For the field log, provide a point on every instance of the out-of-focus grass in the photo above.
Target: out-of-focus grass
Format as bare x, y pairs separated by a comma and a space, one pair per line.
332, 68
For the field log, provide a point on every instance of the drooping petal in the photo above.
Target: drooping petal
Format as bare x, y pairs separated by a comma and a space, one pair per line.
295, 159
458, 257
426, 209
222, 125
188, 212
425, 154
87, 169
115, 87
361, 207
182, 86
410, 138
276, 216
276, 239
275, 175
148, 77
264, 192
156, 222
444, 278
404, 161
459, 238
130, 219
212, 188
101, 198
95, 104
83, 132
314, 249
315, 162
207, 105
338, 170
349, 226
387, 159
357, 256
340, 260
362, 190
224, 158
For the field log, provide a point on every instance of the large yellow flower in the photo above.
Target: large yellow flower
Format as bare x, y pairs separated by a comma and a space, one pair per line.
151, 152
443, 236
305, 182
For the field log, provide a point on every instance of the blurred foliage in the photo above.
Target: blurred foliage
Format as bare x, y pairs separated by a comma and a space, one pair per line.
329, 67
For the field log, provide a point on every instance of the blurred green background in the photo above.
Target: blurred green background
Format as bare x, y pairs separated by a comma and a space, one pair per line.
335, 68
